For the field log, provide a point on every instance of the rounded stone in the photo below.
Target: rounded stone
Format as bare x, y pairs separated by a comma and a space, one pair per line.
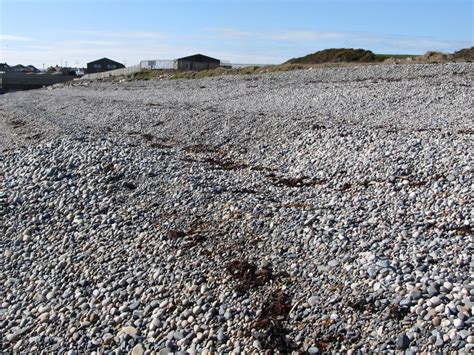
403, 342
138, 349
312, 300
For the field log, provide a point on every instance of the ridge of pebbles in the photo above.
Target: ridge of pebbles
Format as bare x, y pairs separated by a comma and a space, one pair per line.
317, 210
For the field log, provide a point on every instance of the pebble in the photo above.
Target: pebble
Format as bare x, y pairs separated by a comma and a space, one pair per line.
130, 331
312, 300
333, 263
435, 301
458, 323
403, 342
138, 349
228, 315
44, 318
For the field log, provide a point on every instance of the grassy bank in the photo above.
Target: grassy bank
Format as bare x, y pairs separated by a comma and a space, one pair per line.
173, 74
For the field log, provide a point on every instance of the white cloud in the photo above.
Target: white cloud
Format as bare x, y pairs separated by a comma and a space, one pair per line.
306, 36
14, 38
419, 44
230, 33
314, 40
125, 35
95, 43
284, 36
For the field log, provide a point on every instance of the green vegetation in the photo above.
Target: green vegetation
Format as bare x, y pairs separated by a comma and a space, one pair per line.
146, 75
465, 54
234, 71
173, 74
213, 72
336, 55
382, 57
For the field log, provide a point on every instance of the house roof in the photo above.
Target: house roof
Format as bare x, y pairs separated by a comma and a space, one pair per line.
200, 58
106, 59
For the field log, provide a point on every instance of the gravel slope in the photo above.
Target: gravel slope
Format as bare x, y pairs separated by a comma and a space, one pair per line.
314, 210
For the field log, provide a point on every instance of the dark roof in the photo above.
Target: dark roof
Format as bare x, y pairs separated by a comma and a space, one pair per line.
105, 59
199, 58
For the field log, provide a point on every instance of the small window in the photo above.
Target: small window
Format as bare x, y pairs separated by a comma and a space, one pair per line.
110, 66
97, 66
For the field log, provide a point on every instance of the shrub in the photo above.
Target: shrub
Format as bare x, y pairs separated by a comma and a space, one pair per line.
465, 53
336, 55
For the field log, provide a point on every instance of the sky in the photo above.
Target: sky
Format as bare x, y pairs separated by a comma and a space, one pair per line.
74, 32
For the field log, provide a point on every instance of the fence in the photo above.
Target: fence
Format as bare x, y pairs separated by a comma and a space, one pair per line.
158, 64
238, 66
116, 72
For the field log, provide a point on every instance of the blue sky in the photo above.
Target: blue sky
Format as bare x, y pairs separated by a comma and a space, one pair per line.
260, 31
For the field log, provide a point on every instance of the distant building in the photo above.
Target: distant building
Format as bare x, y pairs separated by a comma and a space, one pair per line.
19, 68
68, 71
65, 71
31, 69
197, 62
54, 70
101, 65
4, 67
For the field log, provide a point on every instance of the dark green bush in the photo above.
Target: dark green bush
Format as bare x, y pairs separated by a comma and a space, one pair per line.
336, 55
465, 53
